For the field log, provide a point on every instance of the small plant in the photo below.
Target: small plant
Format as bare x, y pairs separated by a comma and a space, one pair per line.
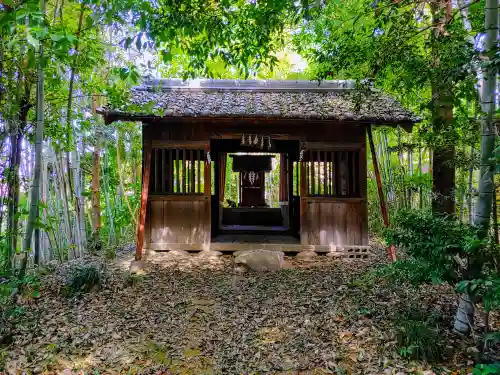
94, 244
110, 252
417, 335
417, 340
83, 279
131, 279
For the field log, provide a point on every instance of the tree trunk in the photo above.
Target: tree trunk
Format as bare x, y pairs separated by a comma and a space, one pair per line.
96, 199
105, 182
443, 177
410, 173
486, 182
469, 189
120, 178
464, 317
443, 169
79, 202
13, 193
35, 187
420, 197
66, 214
494, 216
72, 193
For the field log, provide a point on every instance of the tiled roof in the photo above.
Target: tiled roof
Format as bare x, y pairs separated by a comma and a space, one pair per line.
331, 100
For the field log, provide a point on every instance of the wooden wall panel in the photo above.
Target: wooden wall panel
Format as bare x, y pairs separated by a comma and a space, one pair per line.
180, 221
353, 224
334, 222
156, 221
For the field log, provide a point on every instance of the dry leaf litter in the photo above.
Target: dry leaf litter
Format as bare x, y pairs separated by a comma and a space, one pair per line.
197, 315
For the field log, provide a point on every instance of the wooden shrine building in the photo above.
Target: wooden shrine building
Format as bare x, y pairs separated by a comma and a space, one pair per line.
316, 132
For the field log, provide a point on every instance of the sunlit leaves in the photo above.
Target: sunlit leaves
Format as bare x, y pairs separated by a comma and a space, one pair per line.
241, 34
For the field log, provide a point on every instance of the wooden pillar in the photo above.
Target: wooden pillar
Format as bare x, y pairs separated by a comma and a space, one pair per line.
222, 176
304, 240
144, 201
363, 180
207, 187
283, 179
383, 206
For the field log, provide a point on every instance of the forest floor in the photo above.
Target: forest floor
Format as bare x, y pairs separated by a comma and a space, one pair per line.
195, 316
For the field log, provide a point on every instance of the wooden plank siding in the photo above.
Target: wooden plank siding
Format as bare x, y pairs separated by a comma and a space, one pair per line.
333, 223
180, 221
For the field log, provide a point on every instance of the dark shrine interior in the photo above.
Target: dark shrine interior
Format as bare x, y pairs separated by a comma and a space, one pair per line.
252, 215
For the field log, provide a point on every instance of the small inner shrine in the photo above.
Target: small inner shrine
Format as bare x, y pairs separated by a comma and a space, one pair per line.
252, 170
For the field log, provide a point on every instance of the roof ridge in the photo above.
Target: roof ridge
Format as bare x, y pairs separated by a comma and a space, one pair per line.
203, 85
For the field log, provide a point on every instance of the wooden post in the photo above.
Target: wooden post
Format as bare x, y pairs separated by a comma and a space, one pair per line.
144, 201
282, 191
304, 240
383, 206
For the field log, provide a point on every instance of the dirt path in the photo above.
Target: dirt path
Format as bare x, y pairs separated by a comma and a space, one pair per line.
195, 316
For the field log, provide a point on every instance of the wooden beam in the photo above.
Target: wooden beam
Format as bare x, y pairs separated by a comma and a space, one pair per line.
333, 146
340, 251
190, 145
144, 202
383, 206
325, 199
177, 197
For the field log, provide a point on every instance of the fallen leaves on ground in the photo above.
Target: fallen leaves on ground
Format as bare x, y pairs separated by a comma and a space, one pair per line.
196, 316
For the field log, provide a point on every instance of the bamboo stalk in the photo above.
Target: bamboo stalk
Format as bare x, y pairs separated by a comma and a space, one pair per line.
383, 207
120, 179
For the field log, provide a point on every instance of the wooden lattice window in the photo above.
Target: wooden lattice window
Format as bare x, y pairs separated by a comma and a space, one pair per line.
177, 171
329, 173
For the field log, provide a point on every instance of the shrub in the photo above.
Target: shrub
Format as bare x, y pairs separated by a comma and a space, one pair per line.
417, 340
418, 334
438, 249
83, 279
435, 245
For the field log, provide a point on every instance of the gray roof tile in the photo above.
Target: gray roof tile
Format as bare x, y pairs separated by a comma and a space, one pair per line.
332, 100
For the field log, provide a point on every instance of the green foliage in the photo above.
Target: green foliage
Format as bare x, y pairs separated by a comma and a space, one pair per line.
418, 335
486, 290
242, 34
11, 314
434, 244
486, 369
131, 279
83, 279
440, 249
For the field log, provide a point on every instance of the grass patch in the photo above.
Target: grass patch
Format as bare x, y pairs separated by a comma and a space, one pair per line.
417, 334
83, 279
131, 279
